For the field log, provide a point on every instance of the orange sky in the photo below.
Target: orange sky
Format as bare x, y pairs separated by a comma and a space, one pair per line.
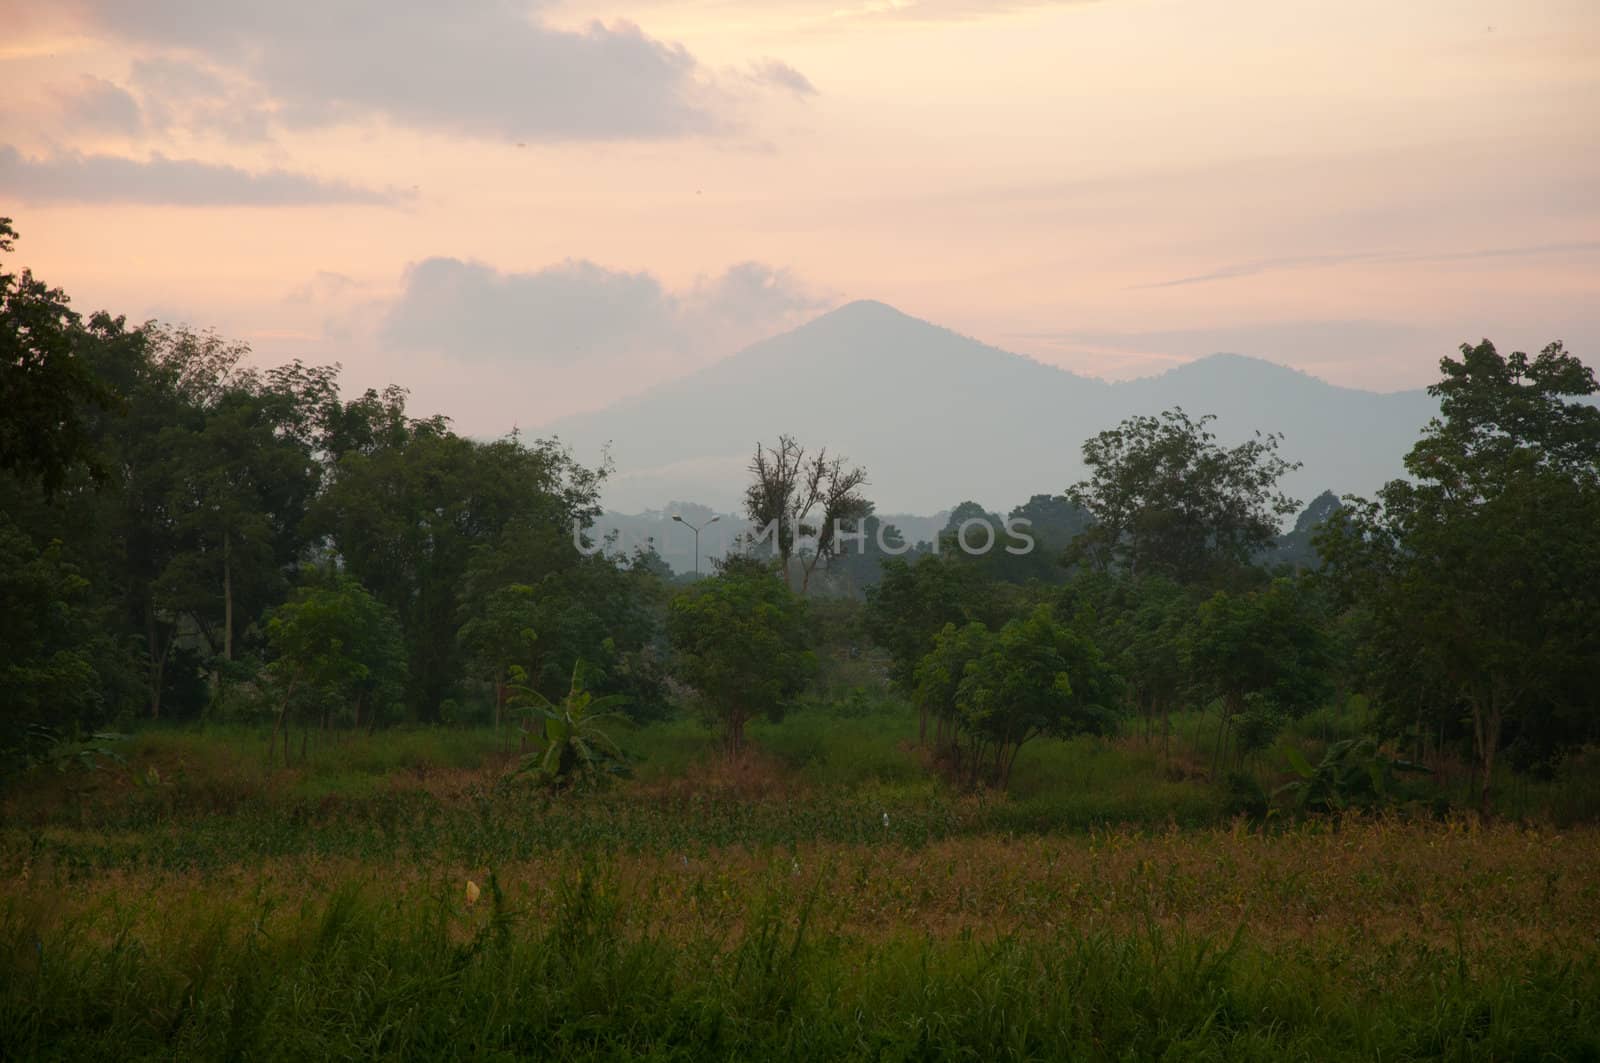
1349, 187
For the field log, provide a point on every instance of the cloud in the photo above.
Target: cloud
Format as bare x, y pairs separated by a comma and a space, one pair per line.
70, 177
1291, 262
96, 105
577, 311
781, 75
482, 68
324, 286
842, 12
179, 93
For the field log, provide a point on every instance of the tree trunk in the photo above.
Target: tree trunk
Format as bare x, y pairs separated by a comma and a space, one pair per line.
158, 660
499, 696
1222, 736
1486, 736
227, 596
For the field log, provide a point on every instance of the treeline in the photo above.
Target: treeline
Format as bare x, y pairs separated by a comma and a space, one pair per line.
1462, 603
183, 537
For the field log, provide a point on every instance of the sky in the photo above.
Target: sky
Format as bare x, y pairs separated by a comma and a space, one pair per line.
527, 210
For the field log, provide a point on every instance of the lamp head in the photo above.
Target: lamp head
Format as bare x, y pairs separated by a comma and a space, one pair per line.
677, 518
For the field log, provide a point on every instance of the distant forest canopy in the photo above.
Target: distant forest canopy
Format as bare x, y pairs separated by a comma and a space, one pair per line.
184, 536
1054, 521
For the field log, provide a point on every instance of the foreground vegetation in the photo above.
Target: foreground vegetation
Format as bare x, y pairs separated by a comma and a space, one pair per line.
408, 895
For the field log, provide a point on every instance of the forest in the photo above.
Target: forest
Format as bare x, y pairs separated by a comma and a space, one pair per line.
329, 731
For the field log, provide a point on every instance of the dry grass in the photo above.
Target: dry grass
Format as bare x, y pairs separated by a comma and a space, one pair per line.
1369, 885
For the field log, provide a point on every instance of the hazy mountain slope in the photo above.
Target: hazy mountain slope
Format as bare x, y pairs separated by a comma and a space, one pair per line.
938, 418
1348, 440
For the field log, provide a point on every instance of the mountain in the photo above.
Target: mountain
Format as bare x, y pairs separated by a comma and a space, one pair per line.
937, 417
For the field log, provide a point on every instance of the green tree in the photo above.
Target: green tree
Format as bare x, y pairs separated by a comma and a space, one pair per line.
47, 389
1142, 626
739, 640
501, 635
336, 647
54, 654
407, 514
913, 602
1479, 578
1033, 677
1167, 499
1264, 650
243, 477
936, 683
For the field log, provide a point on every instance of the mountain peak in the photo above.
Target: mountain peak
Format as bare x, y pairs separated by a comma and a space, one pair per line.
861, 316
863, 308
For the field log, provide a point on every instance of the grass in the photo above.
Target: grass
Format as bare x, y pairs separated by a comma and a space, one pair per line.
1313, 944
827, 898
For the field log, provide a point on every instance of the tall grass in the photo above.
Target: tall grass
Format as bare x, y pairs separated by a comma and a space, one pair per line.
359, 974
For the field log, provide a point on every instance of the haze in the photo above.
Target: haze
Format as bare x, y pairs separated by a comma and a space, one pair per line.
525, 212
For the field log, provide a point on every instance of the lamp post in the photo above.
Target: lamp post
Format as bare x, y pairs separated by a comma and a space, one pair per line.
696, 529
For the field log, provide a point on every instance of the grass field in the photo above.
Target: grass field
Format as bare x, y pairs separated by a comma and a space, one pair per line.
827, 898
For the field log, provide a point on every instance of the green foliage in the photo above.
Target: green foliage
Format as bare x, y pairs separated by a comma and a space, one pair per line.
1142, 626
995, 692
1264, 652
571, 745
48, 392
337, 647
1476, 584
52, 650
1167, 499
915, 600
1353, 775
740, 641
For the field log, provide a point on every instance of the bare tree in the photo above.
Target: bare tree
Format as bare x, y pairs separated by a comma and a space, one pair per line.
835, 489
787, 489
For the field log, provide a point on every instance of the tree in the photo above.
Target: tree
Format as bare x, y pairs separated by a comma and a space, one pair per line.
1033, 677
1167, 499
408, 514
739, 640
936, 683
243, 477
912, 603
1142, 626
1264, 651
860, 568
500, 636
787, 488
336, 647
54, 654
47, 390
1479, 579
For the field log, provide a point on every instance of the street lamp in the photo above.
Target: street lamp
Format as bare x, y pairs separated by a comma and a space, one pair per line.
696, 528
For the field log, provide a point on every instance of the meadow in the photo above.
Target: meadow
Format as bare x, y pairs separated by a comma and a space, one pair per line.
826, 896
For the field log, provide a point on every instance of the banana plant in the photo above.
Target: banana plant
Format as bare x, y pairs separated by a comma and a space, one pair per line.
569, 739
1353, 774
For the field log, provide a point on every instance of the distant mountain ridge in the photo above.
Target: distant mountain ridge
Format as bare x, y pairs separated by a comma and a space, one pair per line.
937, 417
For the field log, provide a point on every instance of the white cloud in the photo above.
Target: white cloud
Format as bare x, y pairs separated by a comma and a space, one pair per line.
479, 67
71, 177
577, 311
